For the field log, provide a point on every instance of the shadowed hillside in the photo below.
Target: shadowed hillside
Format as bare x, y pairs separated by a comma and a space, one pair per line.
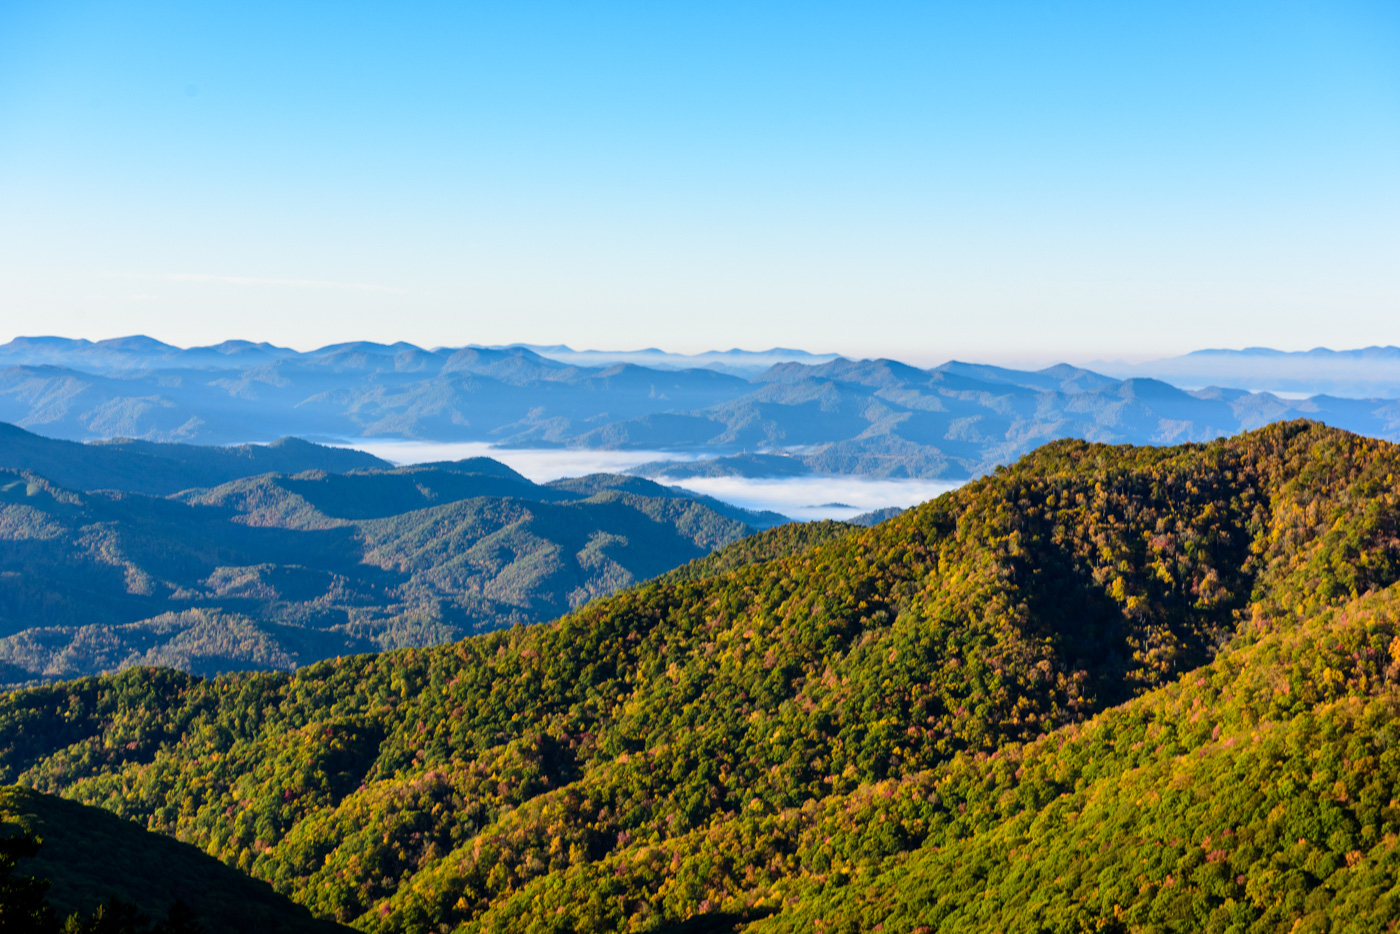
163, 469
90, 857
276, 571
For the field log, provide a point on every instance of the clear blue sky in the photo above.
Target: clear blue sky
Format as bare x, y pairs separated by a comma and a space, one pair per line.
993, 180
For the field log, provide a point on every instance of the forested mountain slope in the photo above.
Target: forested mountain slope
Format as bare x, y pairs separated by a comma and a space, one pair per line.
274, 571
1105, 688
1257, 794
90, 857
162, 469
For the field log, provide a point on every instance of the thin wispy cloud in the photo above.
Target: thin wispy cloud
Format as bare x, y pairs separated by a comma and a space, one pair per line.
277, 283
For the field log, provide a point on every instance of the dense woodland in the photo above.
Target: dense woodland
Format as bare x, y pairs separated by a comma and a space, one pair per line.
1103, 689
315, 555
95, 873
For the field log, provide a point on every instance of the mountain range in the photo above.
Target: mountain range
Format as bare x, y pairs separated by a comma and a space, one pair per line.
274, 556
735, 362
1104, 688
877, 418
1365, 372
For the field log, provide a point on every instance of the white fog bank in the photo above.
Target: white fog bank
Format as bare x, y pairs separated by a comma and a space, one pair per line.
805, 498
538, 464
818, 497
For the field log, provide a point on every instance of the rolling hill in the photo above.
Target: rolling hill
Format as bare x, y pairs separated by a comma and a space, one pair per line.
163, 469
1104, 688
278, 570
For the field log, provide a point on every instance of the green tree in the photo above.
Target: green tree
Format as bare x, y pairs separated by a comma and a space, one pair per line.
23, 908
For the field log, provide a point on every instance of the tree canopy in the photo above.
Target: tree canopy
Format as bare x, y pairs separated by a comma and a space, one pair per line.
1105, 688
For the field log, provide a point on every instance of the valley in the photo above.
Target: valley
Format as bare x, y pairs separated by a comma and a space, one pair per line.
1103, 688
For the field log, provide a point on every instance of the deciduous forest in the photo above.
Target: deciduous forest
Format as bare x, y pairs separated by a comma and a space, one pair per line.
1106, 688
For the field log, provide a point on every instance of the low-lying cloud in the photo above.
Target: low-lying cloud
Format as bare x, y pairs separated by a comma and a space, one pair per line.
819, 497
805, 498
538, 464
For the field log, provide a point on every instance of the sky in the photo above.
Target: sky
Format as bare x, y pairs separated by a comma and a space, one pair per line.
1004, 181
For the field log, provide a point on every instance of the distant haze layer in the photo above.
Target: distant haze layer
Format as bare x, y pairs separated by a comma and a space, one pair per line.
1369, 372
727, 414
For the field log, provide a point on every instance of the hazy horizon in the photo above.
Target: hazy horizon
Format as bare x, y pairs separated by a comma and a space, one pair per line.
1013, 360
1002, 182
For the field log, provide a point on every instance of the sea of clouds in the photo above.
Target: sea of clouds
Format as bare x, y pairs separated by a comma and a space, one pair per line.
806, 498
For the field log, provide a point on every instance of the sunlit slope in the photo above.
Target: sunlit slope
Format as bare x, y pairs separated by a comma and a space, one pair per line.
735, 744
1257, 794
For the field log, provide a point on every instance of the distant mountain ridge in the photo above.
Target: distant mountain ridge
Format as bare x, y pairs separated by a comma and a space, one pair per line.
163, 469
735, 362
878, 418
1360, 373
140, 352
